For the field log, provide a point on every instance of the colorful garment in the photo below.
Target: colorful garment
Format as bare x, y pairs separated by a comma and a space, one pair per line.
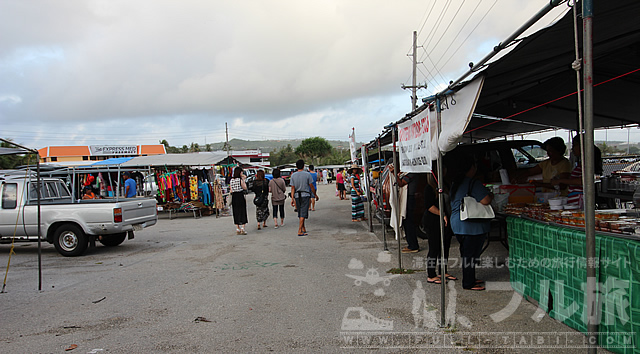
193, 187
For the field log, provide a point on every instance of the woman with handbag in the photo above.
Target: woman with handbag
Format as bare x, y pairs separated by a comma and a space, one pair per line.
261, 199
470, 233
238, 202
278, 189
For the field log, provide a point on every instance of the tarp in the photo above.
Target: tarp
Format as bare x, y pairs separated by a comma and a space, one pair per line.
13, 151
538, 71
192, 159
112, 161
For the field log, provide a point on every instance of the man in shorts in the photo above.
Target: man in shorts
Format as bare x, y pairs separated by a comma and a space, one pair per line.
301, 192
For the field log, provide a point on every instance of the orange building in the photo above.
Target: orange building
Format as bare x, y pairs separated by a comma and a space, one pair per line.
78, 154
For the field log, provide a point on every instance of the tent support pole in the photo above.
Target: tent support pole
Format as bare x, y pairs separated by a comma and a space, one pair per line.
365, 170
443, 261
588, 175
38, 186
394, 130
381, 197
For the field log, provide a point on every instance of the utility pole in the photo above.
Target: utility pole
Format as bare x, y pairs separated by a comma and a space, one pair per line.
226, 145
414, 87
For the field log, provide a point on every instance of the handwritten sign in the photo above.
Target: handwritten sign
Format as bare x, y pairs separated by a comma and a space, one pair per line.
414, 142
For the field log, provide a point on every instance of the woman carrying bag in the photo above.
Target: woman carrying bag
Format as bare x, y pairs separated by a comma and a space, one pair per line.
261, 199
278, 190
470, 233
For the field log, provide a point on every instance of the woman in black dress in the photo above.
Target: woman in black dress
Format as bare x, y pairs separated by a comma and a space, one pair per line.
238, 202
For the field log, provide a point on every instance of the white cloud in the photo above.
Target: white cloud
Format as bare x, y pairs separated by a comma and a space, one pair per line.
259, 64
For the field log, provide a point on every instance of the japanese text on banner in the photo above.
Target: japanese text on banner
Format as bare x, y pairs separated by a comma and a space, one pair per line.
414, 144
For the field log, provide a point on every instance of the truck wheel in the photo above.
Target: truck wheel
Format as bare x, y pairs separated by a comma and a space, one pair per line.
113, 239
70, 240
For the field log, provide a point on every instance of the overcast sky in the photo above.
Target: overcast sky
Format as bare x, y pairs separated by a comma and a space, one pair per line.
135, 72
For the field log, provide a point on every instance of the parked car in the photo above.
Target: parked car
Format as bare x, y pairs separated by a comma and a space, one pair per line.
68, 224
510, 155
286, 174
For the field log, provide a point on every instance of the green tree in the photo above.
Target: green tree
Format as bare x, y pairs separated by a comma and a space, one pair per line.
195, 147
607, 149
314, 148
283, 156
13, 161
336, 157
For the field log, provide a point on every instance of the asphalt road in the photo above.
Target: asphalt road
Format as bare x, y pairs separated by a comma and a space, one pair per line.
192, 285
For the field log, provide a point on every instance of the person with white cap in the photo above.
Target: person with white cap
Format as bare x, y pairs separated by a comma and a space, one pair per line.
357, 204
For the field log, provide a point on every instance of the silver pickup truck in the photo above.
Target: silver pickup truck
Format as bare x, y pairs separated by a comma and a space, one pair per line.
69, 225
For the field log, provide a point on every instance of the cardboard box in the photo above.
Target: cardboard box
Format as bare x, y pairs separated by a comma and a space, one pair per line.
519, 193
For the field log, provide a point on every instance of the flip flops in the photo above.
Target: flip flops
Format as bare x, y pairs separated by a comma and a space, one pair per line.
476, 288
437, 281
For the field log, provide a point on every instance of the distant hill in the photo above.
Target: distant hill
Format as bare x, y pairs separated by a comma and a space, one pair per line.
272, 145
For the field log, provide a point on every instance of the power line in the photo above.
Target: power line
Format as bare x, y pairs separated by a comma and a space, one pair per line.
449, 25
460, 31
434, 29
473, 30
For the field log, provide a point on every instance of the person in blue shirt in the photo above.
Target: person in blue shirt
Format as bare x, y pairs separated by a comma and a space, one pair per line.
471, 234
129, 186
314, 176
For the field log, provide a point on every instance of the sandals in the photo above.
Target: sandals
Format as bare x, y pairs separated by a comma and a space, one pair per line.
409, 250
436, 281
451, 277
476, 288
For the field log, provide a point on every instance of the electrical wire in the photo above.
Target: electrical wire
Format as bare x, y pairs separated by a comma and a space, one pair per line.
449, 25
473, 30
460, 31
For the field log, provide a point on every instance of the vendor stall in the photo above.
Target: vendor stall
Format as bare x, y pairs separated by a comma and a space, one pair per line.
190, 183
547, 264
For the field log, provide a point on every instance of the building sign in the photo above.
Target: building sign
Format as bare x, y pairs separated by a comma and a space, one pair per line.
105, 150
414, 143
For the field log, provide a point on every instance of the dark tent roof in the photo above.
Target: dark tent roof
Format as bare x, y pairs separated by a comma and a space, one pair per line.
538, 70
13, 151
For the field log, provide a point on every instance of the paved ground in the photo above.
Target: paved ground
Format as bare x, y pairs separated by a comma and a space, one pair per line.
193, 285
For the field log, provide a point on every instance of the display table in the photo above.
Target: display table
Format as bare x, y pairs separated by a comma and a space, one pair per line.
547, 264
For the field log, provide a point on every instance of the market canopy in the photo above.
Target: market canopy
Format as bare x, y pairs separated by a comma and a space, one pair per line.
538, 73
192, 159
13, 151
112, 161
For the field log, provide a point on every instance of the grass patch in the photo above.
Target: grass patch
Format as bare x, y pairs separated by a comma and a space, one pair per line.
403, 271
